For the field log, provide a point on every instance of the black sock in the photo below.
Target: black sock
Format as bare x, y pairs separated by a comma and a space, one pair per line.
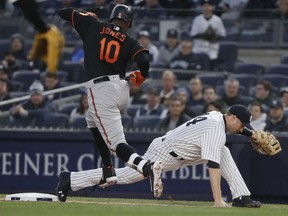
100, 144
124, 151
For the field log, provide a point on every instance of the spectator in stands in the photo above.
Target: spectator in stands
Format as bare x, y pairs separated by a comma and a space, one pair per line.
169, 50
284, 97
151, 10
214, 106
231, 9
82, 109
17, 47
277, 120
207, 30
182, 94
178, 8
195, 92
209, 94
264, 94
258, 121
12, 64
168, 86
4, 94
36, 106
175, 116
153, 105
188, 60
145, 41
259, 8
51, 81
282, 10
231, 95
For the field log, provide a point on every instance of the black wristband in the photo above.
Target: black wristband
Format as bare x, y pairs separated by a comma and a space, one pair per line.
246, 132
212, 164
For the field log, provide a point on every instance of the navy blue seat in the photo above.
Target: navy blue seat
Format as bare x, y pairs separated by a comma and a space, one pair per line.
67, 108
62, 76
250, 68
21, 122
276, 80
211, 79
53, 120
284, 60
227, 56
77, 123
75, 71
246, 80
15, 86
146, 122
132, 109
278, 69
126, 121
26, 77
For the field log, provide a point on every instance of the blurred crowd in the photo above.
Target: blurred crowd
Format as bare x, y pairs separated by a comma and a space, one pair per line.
162, 103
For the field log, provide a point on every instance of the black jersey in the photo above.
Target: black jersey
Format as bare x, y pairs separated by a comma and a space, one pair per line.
107, 48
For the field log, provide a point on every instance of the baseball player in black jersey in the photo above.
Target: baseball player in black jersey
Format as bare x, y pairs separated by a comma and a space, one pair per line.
108, 48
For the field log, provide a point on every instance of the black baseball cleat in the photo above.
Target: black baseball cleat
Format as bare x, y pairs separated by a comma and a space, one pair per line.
63, 186
108, 177
245, 201
153, 170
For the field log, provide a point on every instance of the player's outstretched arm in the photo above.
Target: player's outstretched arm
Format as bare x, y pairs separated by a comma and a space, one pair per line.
215, 181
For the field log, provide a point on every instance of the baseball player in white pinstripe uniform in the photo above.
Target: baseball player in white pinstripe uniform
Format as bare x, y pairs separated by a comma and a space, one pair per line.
200, 140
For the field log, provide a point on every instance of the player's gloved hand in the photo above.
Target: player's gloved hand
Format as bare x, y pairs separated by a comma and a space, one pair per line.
136, 78
48, 47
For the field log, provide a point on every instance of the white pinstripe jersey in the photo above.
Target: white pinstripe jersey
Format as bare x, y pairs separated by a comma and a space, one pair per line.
201, 138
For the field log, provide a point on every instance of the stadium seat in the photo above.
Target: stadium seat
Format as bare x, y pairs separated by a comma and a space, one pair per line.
62, 76
126, 121
211, 79
67, 108
227, 57
21, 122
245, 80
146, 122
77, 122
276, 80
250, 68
284, 60
15, 86
132, 109
26, 77
278, 69
52, 120
75, 71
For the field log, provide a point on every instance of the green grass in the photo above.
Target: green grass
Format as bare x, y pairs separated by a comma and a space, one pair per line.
76, 206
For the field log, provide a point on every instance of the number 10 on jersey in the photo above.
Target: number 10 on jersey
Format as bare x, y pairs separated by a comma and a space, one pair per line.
109, 51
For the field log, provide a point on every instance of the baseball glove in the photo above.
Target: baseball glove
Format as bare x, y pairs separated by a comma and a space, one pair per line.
265, 143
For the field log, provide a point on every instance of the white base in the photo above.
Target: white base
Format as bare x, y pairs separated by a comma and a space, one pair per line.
31, 197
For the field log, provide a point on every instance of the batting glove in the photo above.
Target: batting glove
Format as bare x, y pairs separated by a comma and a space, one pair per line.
136, 78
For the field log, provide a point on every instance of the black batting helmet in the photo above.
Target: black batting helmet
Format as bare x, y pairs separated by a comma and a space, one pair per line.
123, 12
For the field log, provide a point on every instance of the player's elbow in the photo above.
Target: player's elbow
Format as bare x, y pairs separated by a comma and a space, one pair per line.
65, 13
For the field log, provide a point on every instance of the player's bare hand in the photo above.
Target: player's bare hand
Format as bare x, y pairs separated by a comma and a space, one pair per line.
221, 204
